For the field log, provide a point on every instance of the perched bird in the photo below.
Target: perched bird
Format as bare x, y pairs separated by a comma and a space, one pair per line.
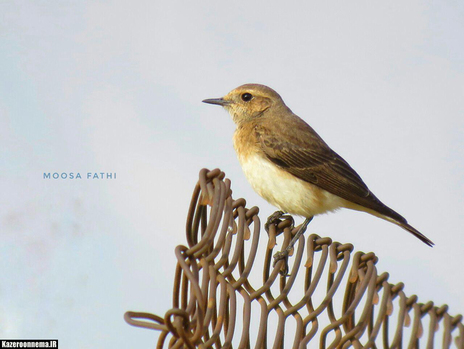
289, 164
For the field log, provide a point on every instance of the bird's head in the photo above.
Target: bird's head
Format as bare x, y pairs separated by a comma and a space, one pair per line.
248, 102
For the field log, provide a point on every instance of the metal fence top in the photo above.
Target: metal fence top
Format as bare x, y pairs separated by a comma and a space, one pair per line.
227, 293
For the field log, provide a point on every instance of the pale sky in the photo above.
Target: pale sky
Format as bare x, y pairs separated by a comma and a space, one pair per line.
100, 86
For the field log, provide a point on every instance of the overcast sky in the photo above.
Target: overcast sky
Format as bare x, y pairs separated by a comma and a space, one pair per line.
116, 87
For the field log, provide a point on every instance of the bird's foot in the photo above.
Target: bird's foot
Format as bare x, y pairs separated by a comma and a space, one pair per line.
273, 219
278, 257
276, 218
285, 253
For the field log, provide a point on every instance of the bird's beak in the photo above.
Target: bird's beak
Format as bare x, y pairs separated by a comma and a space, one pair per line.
219, 101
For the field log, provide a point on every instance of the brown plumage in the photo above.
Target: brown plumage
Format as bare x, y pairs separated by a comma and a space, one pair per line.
290, 165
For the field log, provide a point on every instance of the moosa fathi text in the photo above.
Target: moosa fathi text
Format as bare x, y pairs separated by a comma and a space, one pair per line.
78, 175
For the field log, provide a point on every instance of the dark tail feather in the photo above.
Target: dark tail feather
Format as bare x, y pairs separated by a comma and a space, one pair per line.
377, 208
415, 232
388, 214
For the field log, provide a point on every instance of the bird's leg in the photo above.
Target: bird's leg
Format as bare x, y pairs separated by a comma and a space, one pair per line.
300, 232
284, 253
275, 218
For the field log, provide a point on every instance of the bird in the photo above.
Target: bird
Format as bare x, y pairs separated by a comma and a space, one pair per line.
289, 164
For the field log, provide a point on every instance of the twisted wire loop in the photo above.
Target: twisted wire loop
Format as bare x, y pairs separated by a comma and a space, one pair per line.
336, 299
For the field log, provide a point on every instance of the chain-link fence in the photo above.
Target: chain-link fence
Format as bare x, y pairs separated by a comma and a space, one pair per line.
228, 294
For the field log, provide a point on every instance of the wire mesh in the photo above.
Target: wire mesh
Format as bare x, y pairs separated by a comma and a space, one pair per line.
336, 299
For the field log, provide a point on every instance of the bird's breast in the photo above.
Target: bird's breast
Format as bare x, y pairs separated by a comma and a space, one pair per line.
281, 188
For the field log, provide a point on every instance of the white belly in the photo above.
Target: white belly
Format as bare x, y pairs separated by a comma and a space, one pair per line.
287, 192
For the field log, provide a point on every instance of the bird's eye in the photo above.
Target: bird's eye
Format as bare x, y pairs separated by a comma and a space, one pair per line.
247, 97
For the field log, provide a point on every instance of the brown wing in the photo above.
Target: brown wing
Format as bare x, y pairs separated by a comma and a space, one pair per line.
305, 155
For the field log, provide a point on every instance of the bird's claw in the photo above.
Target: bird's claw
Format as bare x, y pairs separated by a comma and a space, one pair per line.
273, 219
279, 256
276, 218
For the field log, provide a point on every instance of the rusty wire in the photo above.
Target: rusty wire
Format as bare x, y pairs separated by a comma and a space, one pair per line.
332, 306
